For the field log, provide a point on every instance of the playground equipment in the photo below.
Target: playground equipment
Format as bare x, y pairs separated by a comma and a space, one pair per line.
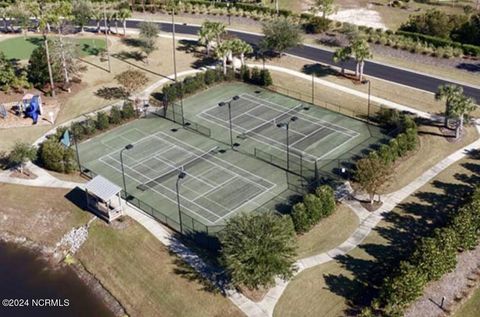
31, 105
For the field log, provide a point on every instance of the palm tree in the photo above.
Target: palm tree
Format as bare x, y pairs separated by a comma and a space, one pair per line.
123, 15
461, 106
360, 51
211, 31
222, 51
97, 15
448, 93
240, 48
341, 56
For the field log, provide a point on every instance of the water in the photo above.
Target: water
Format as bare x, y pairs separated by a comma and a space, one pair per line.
24, 275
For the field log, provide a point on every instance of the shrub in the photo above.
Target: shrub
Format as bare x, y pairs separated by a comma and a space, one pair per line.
128, 112
21, 153
56, 157
245, 74
300, 218
327, 197
77, 129
89, 127
314, 208
255, 77
102, 121
317, 25
115, 116
265, 78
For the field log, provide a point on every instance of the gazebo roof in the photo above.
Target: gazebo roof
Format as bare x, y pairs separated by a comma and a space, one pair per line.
102, 188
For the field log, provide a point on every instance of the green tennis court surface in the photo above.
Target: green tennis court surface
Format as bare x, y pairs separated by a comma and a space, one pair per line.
218, 182
221, 182
319, 139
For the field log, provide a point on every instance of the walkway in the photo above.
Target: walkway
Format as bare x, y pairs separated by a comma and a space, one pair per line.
265, 308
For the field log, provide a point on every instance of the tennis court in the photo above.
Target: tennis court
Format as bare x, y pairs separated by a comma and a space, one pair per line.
256, 118
217, 183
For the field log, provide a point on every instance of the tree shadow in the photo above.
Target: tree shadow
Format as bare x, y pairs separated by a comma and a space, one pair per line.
135, 55
36, 40
397, 234
190, 46
318, 70
204, 62
473, 68
132, 42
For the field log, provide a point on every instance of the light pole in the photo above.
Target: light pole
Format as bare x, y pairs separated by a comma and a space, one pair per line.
181, 176
229, 104
76, 151
127, 147
286, 126
174, 48
369, 94
106, 36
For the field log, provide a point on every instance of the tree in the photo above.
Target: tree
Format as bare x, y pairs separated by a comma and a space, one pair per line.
258, 247
461, 106
148, 35
372, 174
222, 52
342, 55
131, 80
11, 76
326, 7
280, 35
211, 32
39, 71
240, 48
123, 15
448, 93
360, 49
21, 154
64, 50
82, 11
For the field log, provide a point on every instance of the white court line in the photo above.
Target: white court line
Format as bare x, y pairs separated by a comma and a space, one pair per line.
163, 195
259, 137
264, 120
215, 188
225, 162
150, 157
175, 168
307, 136
219, 218
168, 189
247, 95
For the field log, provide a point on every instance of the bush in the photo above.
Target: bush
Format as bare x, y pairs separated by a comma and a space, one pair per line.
115, 116
102, 122
245, 74
317, 25
128, 112
327, 196
300, 218
313, 205
21, 154
56, 157
89, 127
265, 79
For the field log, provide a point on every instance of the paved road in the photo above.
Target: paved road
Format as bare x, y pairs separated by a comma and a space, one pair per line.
396, 75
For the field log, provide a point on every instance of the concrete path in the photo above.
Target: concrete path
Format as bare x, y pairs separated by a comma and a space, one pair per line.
265, 308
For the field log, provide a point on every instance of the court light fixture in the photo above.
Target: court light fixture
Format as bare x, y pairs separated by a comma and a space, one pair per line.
127, 147
229, 104
181, 176
222, 104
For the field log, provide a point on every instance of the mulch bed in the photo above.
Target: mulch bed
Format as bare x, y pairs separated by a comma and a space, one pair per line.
27, 174
449, 134
371, 207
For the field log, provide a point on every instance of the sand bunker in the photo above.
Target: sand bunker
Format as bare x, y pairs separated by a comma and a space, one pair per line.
370, 18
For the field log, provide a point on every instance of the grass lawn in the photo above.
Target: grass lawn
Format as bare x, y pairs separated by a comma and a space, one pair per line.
139, 271
329, 233
471, 307
83, 99
335, 288
21, 47
42, 215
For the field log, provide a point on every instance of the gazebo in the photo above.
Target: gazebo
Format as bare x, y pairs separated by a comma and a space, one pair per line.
103, 198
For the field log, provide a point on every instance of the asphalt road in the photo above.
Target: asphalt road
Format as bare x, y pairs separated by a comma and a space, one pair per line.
389, 73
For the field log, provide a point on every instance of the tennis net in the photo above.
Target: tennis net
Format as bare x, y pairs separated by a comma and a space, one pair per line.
273, 121
181, 166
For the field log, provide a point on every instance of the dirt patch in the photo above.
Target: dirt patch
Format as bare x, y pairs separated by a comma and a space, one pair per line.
254, 294
371, 207
362, 16
27, 174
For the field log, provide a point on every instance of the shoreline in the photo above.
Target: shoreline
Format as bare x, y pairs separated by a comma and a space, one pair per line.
55, 262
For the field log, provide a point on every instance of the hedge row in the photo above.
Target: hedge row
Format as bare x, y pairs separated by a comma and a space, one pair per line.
433, 256
200, 81
314, 208
54, 156
405, 141
88, 127
467, 49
